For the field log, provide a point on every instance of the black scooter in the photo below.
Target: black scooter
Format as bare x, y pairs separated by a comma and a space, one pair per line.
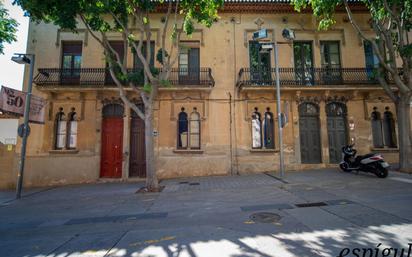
371, 162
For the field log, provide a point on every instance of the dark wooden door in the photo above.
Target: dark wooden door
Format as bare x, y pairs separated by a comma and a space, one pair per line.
337, 138
112, 148
309, 131
137, 160
337, 130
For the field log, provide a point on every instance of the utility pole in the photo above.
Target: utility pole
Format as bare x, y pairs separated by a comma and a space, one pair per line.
279, 113
24, 59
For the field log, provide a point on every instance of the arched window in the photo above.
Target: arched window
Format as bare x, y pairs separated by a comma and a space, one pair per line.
182, 130
60, 130
256, 130
194, 130
389, 131
335, 109
113, 110
376, 123
308, 109
72, 130
268, 130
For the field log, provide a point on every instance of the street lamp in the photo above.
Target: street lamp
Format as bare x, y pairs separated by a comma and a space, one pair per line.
24, 59
288, 35
265, 47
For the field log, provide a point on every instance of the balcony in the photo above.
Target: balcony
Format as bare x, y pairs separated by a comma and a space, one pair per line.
313, 77
101, 78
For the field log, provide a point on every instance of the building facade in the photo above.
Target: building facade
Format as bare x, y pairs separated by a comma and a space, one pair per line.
219, 115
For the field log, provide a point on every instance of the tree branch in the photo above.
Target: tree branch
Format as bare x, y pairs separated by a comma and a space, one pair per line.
122, 93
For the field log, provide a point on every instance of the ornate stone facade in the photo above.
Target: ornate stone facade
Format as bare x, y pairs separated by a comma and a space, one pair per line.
225, 106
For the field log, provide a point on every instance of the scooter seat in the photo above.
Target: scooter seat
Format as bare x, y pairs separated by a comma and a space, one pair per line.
361, 157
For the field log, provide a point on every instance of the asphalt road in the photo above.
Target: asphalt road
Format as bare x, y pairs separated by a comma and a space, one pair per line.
311, 213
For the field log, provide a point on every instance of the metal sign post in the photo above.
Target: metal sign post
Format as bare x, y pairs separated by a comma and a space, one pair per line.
279, 112
268, 46
24, 59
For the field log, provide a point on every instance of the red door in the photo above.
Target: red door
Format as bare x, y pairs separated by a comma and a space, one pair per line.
112, 148
137, 163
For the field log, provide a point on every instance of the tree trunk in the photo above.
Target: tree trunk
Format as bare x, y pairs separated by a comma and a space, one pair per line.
403, 108
152, 183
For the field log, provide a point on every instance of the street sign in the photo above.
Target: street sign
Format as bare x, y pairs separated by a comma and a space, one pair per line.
13, 101
22, 131
266, 47
260, 34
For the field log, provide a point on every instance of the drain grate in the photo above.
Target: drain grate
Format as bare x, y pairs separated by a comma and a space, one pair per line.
184, 182
194, 184
265, 217
317, 204
118, 218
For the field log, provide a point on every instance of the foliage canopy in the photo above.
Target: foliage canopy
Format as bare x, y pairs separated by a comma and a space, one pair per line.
8, 28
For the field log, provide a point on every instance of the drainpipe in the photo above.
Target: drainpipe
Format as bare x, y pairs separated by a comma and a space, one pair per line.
233, 21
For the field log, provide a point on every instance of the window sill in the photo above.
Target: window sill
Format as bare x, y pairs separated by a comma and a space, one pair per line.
64, 151
385, 149
264, 150
188, 151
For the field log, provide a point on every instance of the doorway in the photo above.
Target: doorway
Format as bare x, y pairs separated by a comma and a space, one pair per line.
337, 130
112, 141
309, 133
137, 160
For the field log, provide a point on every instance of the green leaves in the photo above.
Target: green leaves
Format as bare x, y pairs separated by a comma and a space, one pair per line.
188, 25
324, 10
159, 55
8, 28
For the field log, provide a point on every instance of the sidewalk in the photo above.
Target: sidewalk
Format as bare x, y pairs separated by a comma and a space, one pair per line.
315, 213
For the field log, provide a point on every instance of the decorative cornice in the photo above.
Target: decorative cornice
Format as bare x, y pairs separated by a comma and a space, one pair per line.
338, 99
112, 100
268, 6
308, 99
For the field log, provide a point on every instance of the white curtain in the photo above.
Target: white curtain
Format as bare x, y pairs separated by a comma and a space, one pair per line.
256, 133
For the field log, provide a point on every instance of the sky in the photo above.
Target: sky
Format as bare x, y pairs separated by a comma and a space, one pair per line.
11, 74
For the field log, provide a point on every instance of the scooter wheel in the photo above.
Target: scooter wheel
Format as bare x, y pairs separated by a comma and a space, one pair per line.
381, 172
344, 167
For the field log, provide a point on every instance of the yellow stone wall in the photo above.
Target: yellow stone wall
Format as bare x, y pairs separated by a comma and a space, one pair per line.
225, 146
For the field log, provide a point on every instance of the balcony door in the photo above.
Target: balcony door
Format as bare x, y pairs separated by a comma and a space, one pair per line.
330, 59
260, 67
118, 46
303, 57
71, 62
189, 66
371, 60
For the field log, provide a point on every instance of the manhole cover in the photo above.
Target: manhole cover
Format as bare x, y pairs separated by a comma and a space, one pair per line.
265, 217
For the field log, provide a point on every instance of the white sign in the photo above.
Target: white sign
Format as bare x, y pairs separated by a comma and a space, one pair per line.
263, 33
12, 100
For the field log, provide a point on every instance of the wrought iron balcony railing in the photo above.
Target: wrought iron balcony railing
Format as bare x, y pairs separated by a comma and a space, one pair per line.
308, 77
100, 77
